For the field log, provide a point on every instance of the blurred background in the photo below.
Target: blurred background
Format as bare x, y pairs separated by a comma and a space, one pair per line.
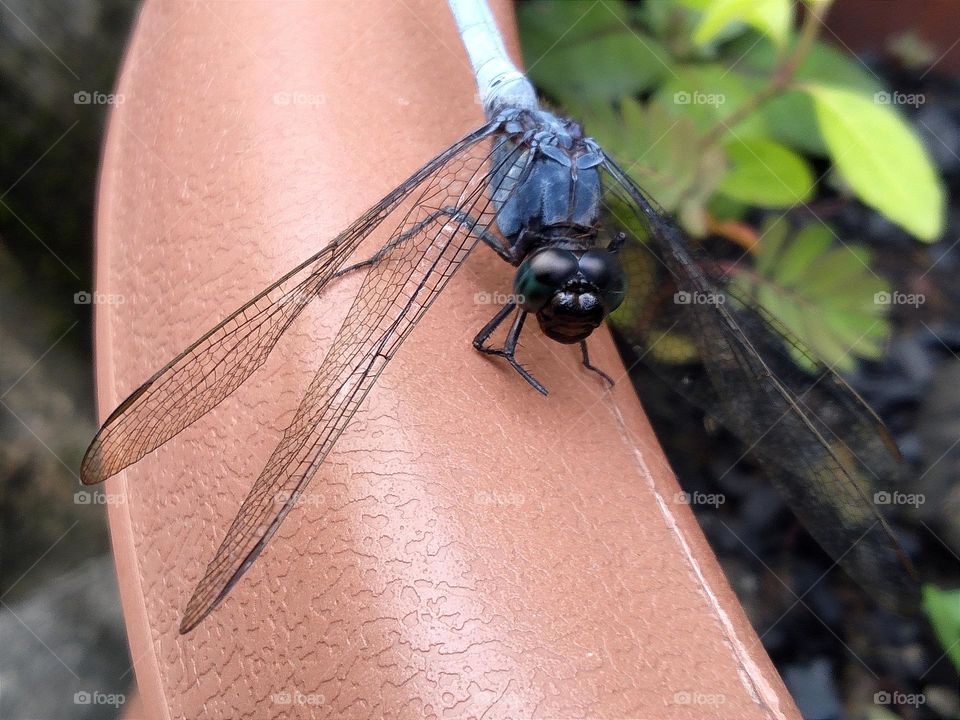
734, 114
63, 652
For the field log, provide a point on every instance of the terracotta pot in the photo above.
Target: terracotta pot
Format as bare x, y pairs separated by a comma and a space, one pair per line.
475, 549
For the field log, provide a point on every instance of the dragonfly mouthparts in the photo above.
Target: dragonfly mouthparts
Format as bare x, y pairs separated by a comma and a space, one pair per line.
572, 313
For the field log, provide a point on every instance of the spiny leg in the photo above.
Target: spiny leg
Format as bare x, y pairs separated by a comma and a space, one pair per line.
588, 366
487, 331
510, 347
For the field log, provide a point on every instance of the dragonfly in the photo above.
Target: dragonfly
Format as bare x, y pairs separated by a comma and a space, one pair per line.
532, 187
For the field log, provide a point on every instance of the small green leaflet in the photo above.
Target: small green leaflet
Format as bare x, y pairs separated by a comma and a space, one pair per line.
943, 609
823, 293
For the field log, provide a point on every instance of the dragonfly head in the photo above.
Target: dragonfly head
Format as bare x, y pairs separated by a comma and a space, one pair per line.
570, 291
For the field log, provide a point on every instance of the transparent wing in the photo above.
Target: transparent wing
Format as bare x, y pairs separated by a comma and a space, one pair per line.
821, 445
415, 266
213, 367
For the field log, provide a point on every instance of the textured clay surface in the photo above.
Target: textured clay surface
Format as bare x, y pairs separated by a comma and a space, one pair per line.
469, 549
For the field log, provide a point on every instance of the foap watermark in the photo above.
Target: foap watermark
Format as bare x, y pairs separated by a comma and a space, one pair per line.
86, 697
497, 298
898, 698
85, 97
693, 697
295, 697
284, 497
682, 97
899, 498
97, 298
700, 498
300, 99
498, 498
899, 298
96, 497
885, 97
683, 297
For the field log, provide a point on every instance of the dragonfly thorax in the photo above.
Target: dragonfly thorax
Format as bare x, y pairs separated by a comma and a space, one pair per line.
570, 291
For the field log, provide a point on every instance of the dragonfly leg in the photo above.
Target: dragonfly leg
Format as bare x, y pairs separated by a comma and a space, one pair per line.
508, 351
588, 366
491, 240
617, 242
472, 225
487, 331
480, 231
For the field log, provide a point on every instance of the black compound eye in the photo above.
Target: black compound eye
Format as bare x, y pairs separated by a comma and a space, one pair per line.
601, 269
541, 275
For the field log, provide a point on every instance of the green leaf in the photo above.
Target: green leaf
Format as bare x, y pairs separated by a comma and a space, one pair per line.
771, 17
723, 207
839, 319
793, 122
766, 173
672, 22
826, 62
790, 118
617, 65
943, 609
773, 237
796, 257
831, 280
544, 23
709, 93
881, 159
584, 52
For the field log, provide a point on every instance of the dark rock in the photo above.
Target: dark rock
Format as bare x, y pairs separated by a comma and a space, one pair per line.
938, 429
938, 130
813, 687
64, 652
